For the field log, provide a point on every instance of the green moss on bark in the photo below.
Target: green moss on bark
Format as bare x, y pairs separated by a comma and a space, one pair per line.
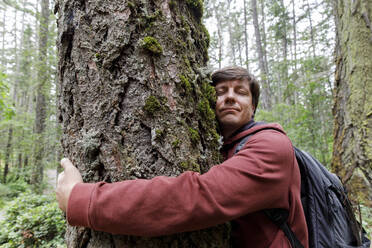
194, 136
185, 84
152, 45
190, 166
152, 105
197, 7
176, 144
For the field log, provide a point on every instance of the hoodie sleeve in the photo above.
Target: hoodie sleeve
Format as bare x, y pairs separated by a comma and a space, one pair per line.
255, 178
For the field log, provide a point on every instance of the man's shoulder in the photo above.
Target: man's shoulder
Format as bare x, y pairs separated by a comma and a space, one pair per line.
269, 137
260, 127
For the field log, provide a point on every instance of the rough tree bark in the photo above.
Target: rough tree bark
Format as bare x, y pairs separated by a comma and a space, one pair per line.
133, 102
352, 150
41, 98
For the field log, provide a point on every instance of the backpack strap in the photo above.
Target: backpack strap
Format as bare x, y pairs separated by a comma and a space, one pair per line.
278, 216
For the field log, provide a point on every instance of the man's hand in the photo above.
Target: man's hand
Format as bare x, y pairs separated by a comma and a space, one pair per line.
66, 181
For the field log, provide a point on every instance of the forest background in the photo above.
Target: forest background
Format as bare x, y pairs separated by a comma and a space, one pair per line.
288, 45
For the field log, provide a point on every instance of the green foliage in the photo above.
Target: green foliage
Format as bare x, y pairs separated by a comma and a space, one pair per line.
367, 218
152, 45
302, 129
12, 189
32, 220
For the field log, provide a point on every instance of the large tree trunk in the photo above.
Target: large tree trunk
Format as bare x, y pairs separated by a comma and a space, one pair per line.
133, 102
352, 150
41, 98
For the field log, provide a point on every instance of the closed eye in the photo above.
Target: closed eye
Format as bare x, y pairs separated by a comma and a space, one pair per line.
220, 91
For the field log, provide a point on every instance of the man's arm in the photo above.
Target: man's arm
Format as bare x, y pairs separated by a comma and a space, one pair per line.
256, 178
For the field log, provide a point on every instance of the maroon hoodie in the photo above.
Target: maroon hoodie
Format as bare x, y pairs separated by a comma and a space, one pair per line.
263, 175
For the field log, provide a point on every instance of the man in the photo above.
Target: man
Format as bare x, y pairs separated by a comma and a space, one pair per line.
264, 174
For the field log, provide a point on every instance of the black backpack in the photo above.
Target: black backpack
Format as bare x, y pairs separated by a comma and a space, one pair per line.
329, 216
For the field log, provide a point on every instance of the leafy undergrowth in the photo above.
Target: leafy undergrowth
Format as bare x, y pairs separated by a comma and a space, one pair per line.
31, 220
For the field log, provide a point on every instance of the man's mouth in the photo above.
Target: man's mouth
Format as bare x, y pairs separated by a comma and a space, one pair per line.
229, 110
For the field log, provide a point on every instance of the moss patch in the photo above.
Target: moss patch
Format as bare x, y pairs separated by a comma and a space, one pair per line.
131, 5
152, 45
185, 84
194, 136
176, 144
152, 105
159, 134
207, 37
190, 166
205, 110
197, 7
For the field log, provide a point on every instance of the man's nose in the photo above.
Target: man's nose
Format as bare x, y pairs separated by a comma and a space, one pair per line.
230, 96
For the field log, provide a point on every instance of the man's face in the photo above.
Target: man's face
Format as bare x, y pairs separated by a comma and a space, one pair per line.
234, 104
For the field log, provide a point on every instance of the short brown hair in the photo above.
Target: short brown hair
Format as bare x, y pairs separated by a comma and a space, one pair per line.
238, 73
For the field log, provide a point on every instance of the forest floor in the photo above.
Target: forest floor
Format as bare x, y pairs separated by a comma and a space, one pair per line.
51, 179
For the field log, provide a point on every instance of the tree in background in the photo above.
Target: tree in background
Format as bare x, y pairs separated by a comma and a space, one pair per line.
24, 72
41, 95
134, 101
352, 150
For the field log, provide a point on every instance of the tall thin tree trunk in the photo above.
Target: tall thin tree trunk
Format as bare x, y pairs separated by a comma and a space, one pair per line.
219, 33
230, 31
352, 149
294, 24
240, 53
134, 103
263, 39
15, 31
19, 164
246, 34
40, 118
266, 102
25, 161
3, 59
313, 45
8, 151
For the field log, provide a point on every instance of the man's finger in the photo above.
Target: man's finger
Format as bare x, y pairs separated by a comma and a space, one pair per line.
65, 162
